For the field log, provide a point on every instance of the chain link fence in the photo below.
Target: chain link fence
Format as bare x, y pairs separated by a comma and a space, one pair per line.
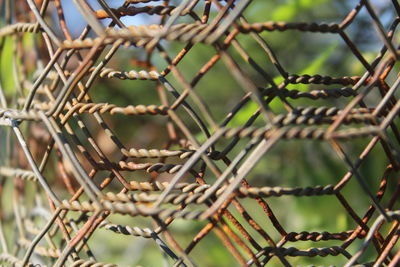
70, 164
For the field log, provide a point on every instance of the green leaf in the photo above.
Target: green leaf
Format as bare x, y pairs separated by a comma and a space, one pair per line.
289, 11
6, 66
341, 222
276, 104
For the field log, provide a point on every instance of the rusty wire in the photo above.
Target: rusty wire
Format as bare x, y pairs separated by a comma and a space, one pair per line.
65, 186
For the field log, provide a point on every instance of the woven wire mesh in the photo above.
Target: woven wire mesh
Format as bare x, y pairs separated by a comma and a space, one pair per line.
68, 169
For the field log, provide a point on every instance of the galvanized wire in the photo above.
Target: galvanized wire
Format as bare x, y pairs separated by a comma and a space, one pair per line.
67, 183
